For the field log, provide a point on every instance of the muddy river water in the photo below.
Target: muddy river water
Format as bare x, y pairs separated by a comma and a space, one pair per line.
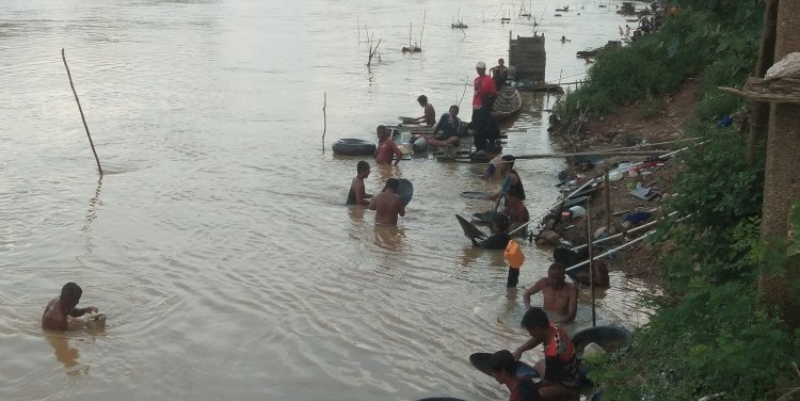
217, 242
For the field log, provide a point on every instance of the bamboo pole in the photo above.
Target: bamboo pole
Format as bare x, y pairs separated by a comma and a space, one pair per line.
85, 126
608, 201
623, 246
324, 119
422, 31
591, 265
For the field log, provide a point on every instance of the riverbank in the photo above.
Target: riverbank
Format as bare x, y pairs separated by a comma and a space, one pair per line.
645, 123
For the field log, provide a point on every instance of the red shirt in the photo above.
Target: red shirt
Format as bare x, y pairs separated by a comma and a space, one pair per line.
484, 89
387, 149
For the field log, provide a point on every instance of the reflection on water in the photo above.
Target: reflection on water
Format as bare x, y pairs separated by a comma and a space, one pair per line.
220, 244
65, 354
389, 238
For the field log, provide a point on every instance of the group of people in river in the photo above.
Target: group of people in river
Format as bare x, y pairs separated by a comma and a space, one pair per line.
559, 367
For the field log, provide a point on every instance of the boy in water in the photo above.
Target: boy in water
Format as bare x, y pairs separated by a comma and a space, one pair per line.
388, 204
56, 312
559, 369
358, 194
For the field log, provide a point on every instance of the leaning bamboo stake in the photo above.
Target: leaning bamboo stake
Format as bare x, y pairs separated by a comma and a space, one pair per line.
324, 119
591, 265
607, 183
86, 127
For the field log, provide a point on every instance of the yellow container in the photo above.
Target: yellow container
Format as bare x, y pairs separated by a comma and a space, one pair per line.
514, 255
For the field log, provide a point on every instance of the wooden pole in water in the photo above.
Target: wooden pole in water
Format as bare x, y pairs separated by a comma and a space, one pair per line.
86, 127
608, 202
422, 31
324, 119
591, 264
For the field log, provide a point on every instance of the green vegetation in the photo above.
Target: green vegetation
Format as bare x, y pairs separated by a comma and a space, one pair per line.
712, 333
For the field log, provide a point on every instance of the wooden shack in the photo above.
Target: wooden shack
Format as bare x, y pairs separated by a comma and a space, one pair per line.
527, 58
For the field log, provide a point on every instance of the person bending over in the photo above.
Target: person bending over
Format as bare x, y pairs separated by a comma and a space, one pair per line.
504, 368
559, 369
57, 310
429, 118
499, 238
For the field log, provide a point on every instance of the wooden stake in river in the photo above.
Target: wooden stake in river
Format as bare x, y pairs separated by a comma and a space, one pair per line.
324, 119
86, 127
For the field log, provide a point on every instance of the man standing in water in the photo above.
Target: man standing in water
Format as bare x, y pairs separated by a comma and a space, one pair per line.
482, 100
559, 369
511, 182
56, 312
388, 204
386, 148
358, 194
560, 297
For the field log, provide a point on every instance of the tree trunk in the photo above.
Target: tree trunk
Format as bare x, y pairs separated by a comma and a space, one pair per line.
759, 121
782, 185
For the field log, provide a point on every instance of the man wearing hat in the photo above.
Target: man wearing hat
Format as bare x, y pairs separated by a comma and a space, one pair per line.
482, 100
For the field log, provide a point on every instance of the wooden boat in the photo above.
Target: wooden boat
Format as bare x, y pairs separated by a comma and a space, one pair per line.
411, 49
530, 86
563, 10
459, 25
507, 104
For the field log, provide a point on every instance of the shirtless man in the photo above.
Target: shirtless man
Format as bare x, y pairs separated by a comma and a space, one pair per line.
388, 204
55, 314
429, 118
386, 148
560, 297
358, 194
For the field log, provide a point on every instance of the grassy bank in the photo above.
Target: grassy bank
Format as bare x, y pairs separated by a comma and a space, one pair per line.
711, 333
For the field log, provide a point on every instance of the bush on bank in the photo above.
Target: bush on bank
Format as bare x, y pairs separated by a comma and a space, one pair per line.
711, 332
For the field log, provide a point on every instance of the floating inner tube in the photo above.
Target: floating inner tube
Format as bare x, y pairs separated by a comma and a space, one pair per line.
353, 147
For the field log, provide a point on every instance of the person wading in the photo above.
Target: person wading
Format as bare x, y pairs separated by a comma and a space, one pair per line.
388, 204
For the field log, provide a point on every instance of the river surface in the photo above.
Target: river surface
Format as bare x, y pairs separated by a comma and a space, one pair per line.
217, 242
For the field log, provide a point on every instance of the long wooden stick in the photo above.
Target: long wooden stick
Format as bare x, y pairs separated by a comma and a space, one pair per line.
324, 119
589, 244
86, 127
607, 183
